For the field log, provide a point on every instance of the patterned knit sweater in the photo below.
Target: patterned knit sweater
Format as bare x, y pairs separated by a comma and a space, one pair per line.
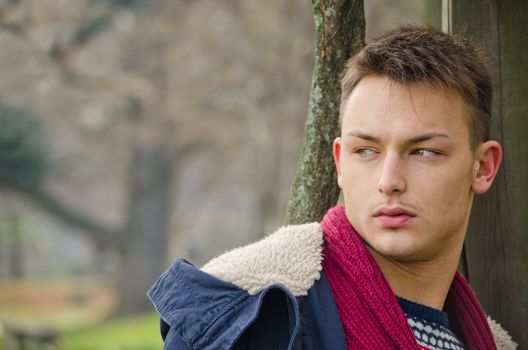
430, 326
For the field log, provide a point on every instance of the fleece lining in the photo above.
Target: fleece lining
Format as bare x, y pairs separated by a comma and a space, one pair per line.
502, 339
291, 256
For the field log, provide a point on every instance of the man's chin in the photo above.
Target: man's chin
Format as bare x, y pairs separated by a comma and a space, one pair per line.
395, 250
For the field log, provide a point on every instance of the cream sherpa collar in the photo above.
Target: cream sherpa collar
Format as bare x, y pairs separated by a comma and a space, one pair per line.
292, 257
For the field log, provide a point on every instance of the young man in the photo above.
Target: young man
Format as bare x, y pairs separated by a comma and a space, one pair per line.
380, 272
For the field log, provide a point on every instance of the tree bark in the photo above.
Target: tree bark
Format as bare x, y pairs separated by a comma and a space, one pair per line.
340, 32
497, 240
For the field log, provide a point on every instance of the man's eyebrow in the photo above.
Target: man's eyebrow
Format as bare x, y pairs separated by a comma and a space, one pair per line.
425, 137
411, 141
362, 135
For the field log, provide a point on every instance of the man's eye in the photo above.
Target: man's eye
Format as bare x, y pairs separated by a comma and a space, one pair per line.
425, 153
364, 152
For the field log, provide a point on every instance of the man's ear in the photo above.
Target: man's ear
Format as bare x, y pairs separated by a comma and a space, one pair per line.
337, 159
489, 157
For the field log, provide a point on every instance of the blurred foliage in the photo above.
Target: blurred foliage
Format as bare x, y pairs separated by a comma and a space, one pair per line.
60, 304
129, 4
23, 158
11, 227
91, 29
138, 333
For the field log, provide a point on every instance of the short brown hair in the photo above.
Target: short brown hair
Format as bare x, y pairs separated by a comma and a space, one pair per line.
413, 54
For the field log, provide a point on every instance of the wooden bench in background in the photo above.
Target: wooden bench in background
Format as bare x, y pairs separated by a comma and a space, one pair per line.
20, 338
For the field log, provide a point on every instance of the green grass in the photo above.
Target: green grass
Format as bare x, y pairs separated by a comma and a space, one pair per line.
77, 311
138, 333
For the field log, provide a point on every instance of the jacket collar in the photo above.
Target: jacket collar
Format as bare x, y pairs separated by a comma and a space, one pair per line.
291, 256
206, 312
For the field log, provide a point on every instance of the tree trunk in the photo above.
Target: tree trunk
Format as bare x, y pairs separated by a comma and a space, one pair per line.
497, 241
145, 243
16, 249
340, 32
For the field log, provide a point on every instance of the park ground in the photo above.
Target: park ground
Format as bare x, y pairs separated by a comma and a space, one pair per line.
79, 312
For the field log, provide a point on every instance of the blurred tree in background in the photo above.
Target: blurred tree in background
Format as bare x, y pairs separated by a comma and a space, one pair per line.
22, 148
156, 125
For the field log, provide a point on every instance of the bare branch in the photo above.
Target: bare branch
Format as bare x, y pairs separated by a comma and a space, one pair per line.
95, 230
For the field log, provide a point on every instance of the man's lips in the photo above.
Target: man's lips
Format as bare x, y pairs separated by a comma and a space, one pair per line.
394, 216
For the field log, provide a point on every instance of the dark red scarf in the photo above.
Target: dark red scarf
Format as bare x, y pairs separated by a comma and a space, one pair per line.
368, 308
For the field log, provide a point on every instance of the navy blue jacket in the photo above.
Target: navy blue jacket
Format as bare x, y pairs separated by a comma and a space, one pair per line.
199, 311
271, 294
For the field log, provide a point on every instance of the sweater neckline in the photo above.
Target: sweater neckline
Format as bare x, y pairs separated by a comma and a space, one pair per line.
420, 311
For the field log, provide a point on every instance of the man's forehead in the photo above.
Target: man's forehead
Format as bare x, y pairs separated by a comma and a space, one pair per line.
377, 105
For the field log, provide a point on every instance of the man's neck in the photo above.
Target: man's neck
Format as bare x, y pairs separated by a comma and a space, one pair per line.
425, 283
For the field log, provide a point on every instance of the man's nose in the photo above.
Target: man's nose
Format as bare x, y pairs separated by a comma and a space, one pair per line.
392, 178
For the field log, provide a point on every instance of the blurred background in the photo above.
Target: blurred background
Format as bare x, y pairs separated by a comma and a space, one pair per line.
136, 131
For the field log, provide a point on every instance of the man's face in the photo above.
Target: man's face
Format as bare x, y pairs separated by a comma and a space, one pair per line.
405, 167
